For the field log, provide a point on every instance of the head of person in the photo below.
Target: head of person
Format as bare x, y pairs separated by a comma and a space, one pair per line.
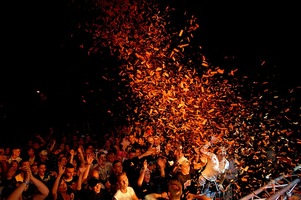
110, 157
174, 190
107, 184
15, 164
42, 168
117, 167
34, 168
150, 140
88, 151
24, 167
24, 163
147, 176
138, 151
69, 171
31, 151
7, 151
94, 185
94, 173
132, 153
168, 146
16, 152
43, 155
63, 160
132, 139
185, 167
123, 181
156, 140
177, 153
221, 152
36, 144
102, 158
108, 144
141, 141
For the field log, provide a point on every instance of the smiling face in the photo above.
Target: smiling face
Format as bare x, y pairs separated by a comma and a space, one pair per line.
42, 169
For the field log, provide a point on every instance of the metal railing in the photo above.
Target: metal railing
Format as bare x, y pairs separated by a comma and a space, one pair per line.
276, 188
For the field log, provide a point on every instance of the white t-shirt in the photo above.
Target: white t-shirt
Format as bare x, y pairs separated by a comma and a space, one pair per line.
124, 196
223, 165
212, 167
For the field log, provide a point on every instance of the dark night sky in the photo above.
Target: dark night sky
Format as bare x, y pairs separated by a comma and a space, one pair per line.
34, 60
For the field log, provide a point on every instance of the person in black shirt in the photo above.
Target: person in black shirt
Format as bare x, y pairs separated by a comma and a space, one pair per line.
145, 184
94, 191
187, 177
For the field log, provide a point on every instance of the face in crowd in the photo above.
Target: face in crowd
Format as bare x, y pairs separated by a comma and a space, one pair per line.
123, 181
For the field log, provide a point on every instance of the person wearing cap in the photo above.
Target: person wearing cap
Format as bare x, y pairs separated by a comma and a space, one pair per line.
187, 177
94, 191
43, 158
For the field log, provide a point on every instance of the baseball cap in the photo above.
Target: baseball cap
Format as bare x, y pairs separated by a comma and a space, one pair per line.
93, 181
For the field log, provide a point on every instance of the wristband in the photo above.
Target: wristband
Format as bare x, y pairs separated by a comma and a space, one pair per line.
26, 182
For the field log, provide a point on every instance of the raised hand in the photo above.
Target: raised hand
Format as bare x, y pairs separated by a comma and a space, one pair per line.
61, 169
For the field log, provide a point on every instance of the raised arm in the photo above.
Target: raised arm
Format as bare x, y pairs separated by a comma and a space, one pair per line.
141, 177
161, 162
43, 190
17, 193
57, 181
81, 173
72, 152
81, 154
89, 162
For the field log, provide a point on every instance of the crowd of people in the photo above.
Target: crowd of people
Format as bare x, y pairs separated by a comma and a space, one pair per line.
112, 166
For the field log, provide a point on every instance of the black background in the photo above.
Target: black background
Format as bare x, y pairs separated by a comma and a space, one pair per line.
33, 57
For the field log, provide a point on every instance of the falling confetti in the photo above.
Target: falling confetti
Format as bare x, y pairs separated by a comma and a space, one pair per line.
176, 92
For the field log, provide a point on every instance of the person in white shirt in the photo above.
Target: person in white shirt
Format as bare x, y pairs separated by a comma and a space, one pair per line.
16, 152
211, 170
124, 191
224, 166
215, 168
